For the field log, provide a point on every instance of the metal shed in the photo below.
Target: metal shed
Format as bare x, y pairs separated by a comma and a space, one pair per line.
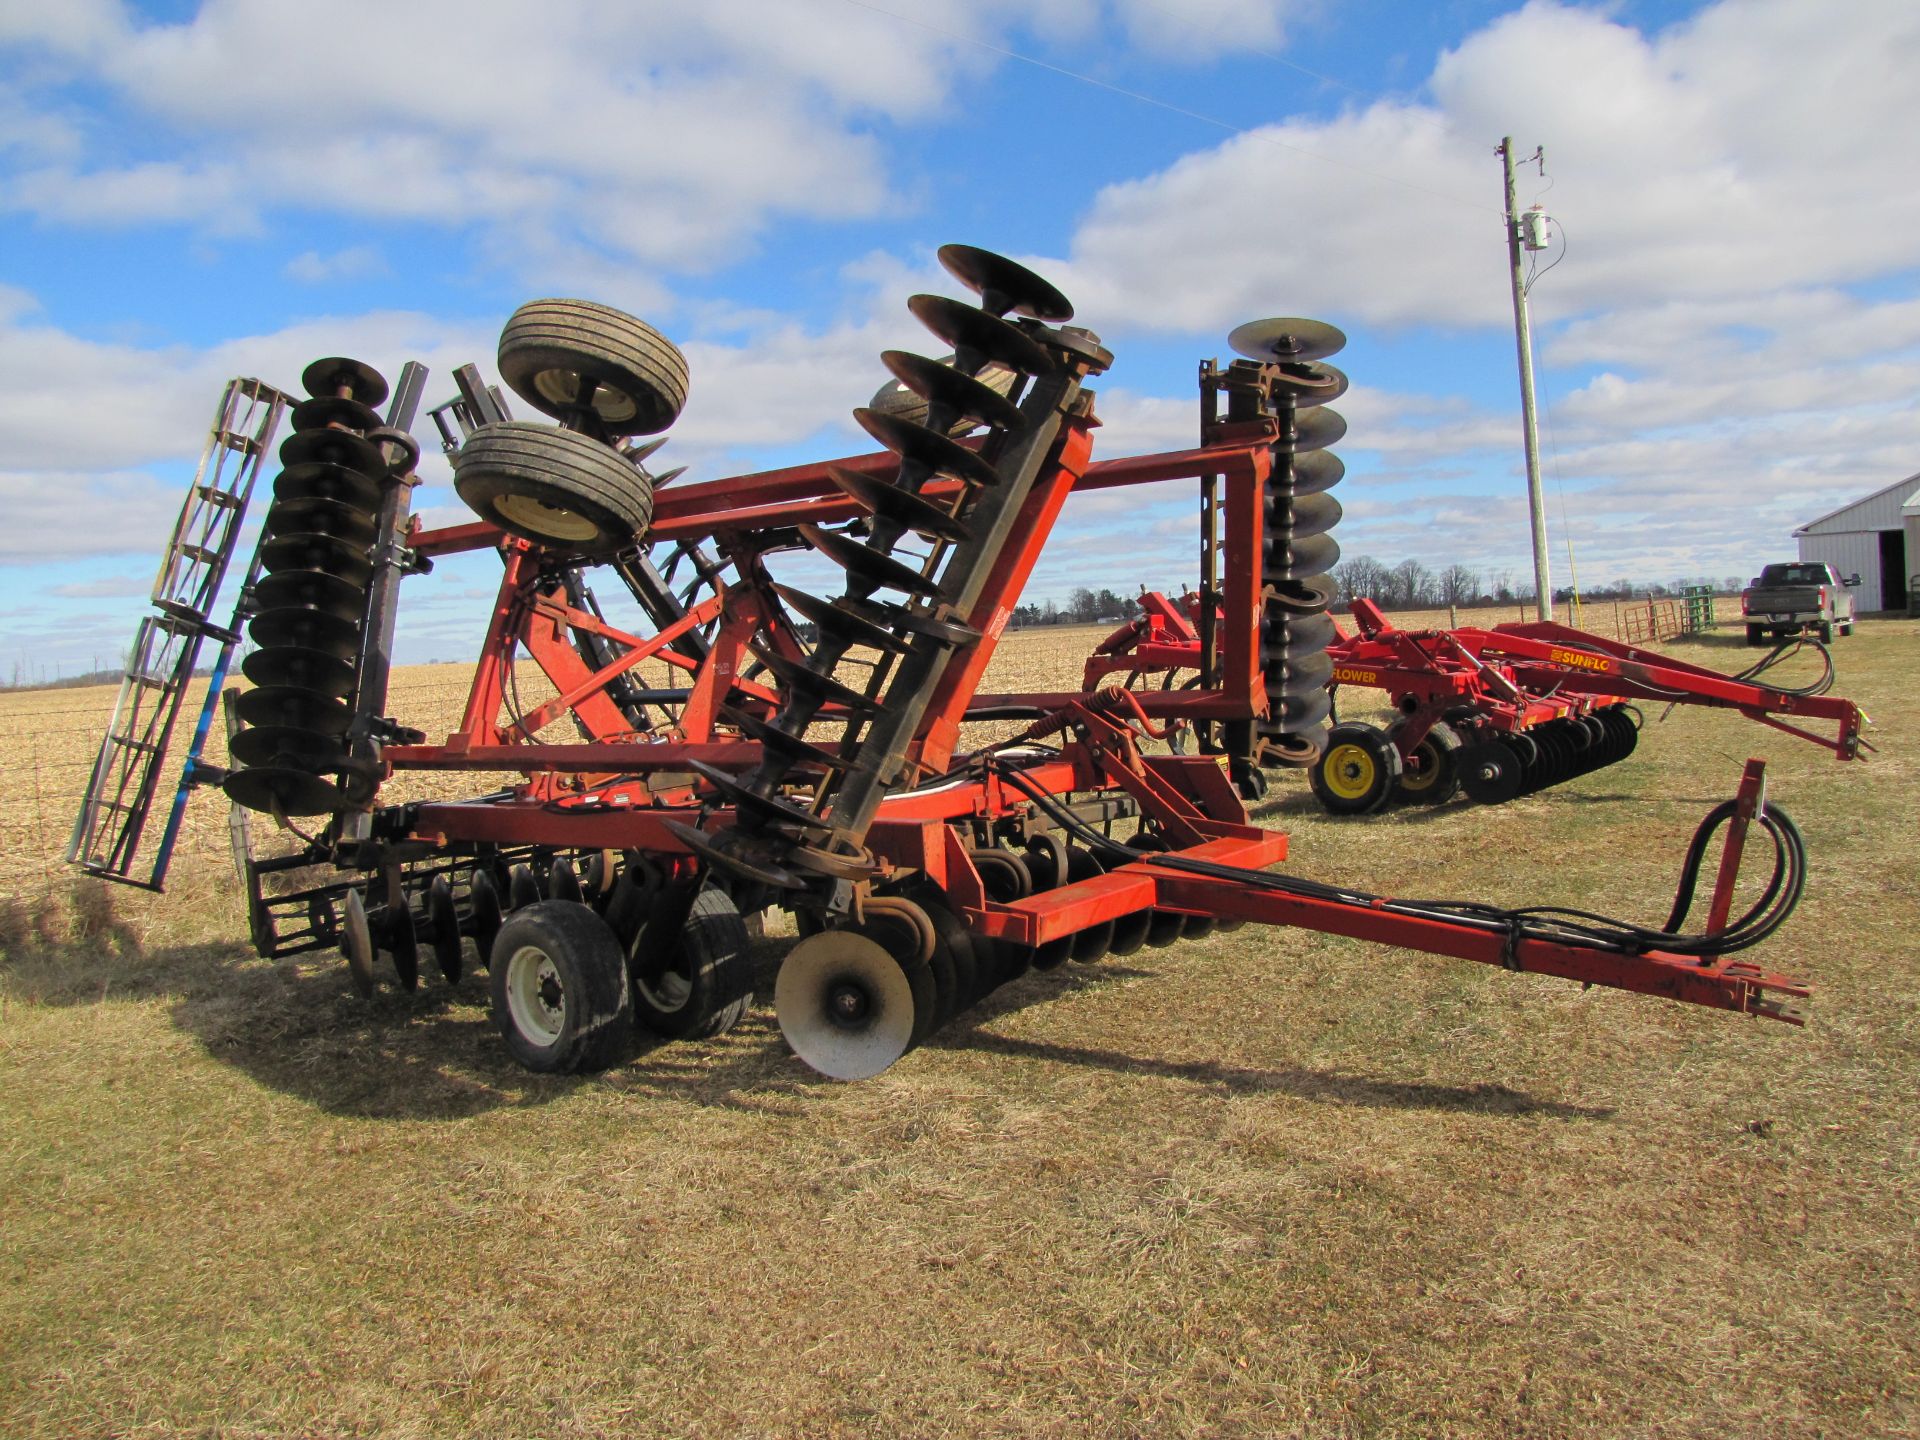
1877, 536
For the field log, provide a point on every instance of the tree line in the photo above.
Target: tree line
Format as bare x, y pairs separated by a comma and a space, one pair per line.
1410, 585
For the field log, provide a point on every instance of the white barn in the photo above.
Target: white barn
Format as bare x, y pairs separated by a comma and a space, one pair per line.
1877, 536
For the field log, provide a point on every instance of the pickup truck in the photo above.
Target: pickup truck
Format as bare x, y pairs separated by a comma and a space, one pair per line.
1795, 596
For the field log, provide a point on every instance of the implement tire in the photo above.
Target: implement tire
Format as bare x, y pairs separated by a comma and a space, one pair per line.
1357, 771
551, 350
559, 988
554, 487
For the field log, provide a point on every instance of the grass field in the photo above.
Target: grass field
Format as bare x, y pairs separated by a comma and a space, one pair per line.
1269, 1184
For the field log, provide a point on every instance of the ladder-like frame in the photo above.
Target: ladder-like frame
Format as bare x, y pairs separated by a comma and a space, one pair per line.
126, 774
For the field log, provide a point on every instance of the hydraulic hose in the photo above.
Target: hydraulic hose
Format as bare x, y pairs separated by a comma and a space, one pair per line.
1548, 923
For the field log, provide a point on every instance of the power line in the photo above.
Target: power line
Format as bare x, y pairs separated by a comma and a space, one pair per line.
1262, 136
1278, 59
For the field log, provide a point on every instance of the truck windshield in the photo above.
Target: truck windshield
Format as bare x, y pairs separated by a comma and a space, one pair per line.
1794, 575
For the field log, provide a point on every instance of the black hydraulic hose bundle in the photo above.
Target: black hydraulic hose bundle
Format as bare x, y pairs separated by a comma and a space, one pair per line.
1547, 923
1782, 651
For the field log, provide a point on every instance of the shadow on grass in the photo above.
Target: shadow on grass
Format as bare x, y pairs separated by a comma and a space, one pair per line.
1301, 1082
297, 1026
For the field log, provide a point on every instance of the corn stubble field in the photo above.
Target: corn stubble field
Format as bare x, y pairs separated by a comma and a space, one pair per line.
1269, 1184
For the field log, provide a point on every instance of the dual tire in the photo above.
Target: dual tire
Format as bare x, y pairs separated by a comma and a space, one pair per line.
603, 374
566, 993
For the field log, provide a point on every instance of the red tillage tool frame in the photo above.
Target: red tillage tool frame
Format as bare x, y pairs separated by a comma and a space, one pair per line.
613, 879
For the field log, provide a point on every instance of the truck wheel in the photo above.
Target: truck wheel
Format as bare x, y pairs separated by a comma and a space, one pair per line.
1826, 632
1357, 771
1754, 634
1846, 628
559, 988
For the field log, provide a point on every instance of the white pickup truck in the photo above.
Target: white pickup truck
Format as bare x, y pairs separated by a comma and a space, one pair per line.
1798, 595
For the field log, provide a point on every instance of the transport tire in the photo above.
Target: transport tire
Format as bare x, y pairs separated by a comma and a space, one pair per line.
1754, 635
691, 971
552, 352
554, 487
1357, 771
559, 987
1826, 632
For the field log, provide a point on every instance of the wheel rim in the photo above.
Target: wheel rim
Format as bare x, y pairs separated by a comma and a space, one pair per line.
554, 521
1350, 771
536, 999
1428, 759
563, 388
666, 989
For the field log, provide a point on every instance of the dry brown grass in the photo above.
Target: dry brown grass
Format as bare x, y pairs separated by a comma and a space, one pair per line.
1273, 1184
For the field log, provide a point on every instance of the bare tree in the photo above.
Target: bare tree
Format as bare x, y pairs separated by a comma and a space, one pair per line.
1362, 576
1412, 585
1458, 585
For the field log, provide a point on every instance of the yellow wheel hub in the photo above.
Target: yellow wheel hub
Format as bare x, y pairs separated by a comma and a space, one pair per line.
1350, 771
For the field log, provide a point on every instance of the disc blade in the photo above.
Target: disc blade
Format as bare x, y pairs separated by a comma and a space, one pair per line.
317, 552
1286, 338
318, 515
978, 336
295, 665
337, 375
325, 410
1299, 711
936, 382
797, 678
792, 748
903, 507
1313, 429
312, 590
940, 454
1005, 285
295, 708
1310, 515
286, 746
1310, 555
311, 629
333, 447
748, 800
279, 788
1314, 471
325, 480
841, 621
867, 563
845, 1006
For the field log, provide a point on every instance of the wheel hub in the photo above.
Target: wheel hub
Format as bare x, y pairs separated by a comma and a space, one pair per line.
1349, 771
553, 521
536, 995
848, 1004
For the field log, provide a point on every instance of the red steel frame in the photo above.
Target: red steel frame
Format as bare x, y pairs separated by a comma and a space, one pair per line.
1522, 675
620, 791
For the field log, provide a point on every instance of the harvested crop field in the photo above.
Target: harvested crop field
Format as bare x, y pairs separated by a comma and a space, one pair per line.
1273, 1183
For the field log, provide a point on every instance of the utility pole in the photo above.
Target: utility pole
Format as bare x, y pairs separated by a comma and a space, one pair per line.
1523, 335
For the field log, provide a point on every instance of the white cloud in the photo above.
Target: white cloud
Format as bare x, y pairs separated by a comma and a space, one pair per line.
1750, 149
355, 262
666, 135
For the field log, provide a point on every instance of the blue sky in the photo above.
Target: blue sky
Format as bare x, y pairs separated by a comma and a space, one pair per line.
1730, 345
